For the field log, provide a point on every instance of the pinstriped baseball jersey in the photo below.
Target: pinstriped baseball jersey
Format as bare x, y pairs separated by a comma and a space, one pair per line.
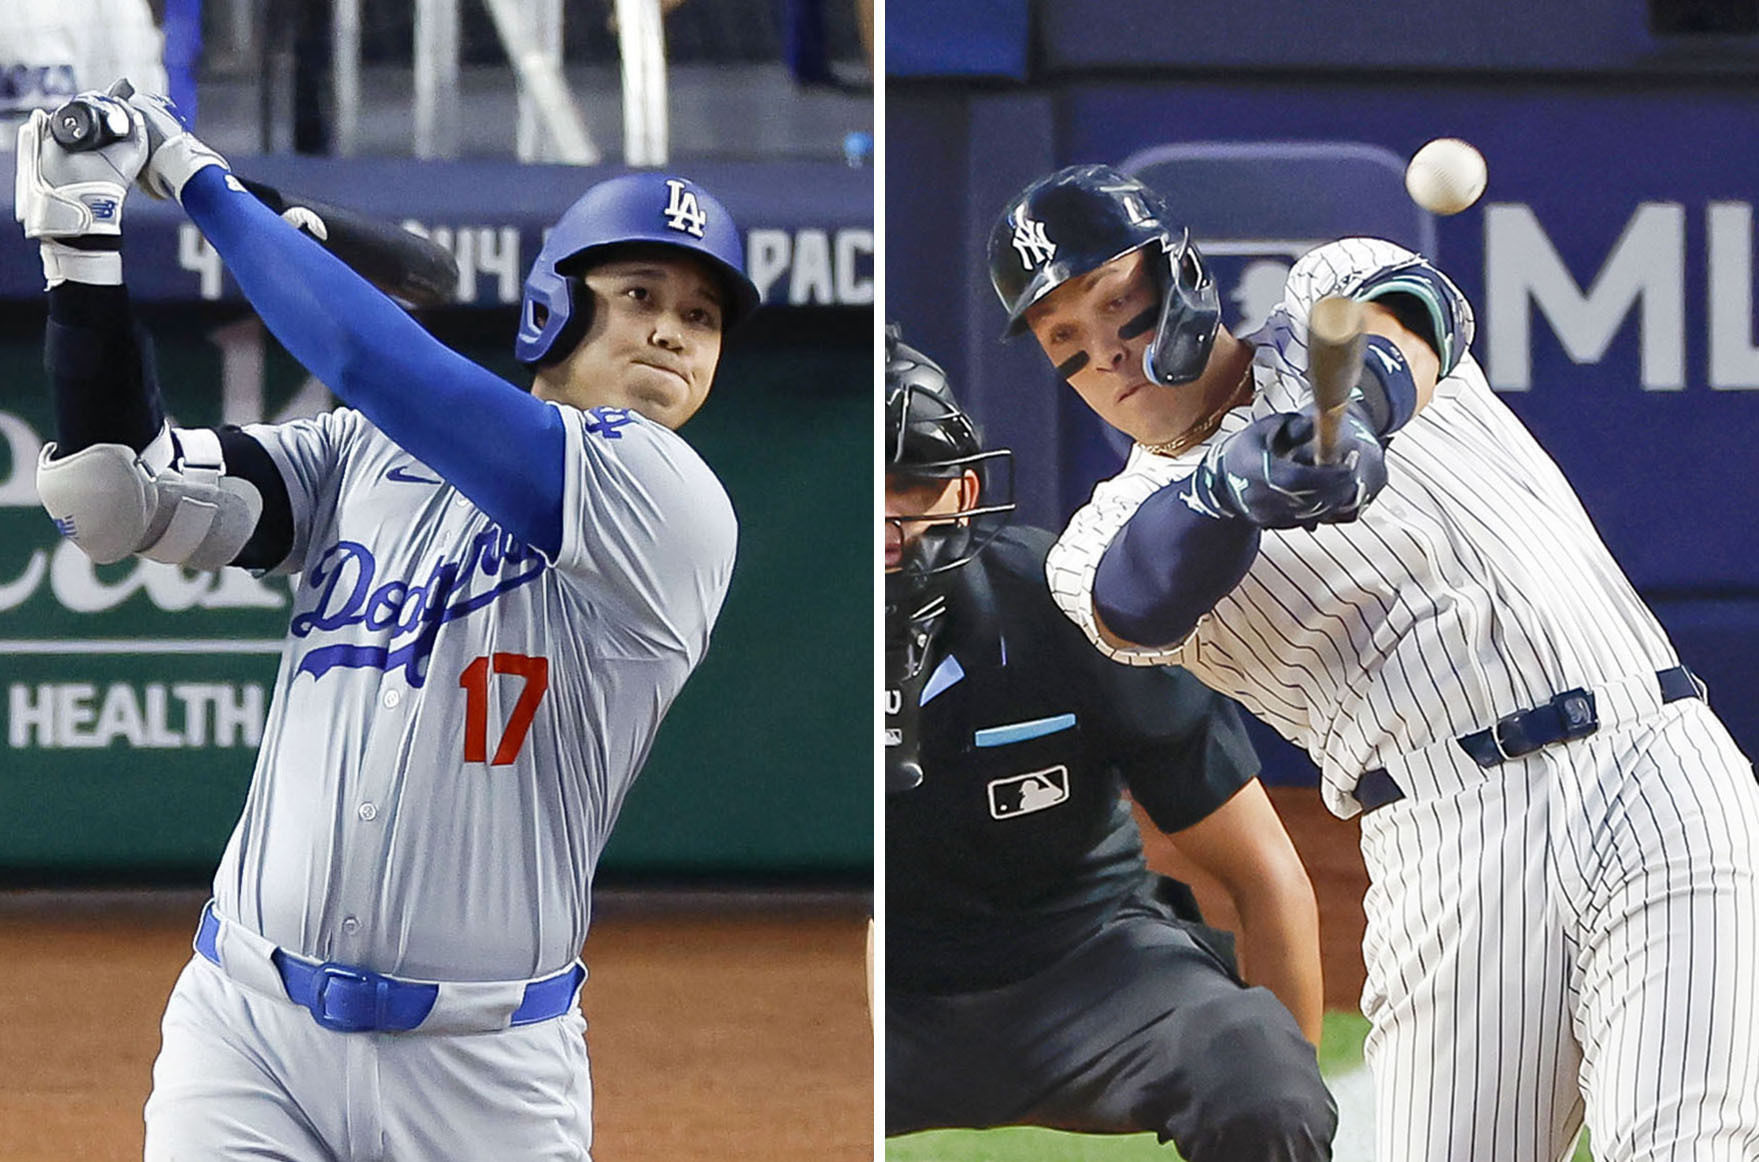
1570, 932
1473, 585
456, 719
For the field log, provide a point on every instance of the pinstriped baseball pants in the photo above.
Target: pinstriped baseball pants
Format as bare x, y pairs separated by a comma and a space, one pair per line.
1571, 934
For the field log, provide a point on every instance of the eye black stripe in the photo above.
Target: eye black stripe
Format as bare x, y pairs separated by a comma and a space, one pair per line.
1138, 324
1072, 364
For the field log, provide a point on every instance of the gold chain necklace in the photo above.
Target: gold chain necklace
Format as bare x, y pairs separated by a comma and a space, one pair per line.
1204, 428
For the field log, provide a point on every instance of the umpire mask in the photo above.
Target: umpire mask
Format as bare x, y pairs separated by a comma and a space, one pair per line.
931, 446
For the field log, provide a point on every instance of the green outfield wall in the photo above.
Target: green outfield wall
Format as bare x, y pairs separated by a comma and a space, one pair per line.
132, 696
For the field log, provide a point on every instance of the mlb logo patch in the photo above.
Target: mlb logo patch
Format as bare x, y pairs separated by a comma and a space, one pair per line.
1023, 794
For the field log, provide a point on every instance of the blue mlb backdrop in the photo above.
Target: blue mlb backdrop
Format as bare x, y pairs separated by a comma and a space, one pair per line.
1610, 264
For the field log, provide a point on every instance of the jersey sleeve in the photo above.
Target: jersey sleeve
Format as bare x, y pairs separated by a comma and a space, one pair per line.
308, 453
646, 527
1074, 559
1360, 268
1186, 750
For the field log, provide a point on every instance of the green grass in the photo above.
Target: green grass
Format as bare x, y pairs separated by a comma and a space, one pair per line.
1340, 1050
1340, 1041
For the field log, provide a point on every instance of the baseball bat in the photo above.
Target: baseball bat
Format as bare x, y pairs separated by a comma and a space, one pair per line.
1334, 363
404, 265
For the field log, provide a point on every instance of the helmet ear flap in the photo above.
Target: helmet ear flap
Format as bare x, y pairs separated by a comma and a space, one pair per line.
1190, 312
581, 305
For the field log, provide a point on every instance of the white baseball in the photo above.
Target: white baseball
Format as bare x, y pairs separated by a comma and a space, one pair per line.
1446, 176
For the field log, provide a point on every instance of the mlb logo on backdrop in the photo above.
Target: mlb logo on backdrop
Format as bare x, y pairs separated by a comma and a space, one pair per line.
1251, 210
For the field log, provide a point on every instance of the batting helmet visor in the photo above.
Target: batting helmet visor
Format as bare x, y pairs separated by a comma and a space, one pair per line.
1080, 218
646, 208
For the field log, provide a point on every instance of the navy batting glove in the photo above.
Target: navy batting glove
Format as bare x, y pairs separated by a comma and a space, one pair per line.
1361, 450
1265, 474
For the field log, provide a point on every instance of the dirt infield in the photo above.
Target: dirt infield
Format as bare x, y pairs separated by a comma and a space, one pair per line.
729, 1031
1331, 849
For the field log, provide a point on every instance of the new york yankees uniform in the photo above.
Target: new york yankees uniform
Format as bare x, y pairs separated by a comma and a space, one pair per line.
1580, 921
455, 724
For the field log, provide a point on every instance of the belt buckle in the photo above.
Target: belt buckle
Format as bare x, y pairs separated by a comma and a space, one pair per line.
1496, 737
344, 1022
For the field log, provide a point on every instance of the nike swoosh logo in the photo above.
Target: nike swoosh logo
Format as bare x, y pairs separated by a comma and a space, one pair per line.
403, 477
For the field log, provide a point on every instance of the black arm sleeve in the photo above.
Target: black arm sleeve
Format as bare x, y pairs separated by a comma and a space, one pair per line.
1189, 751
273, 539
100, 363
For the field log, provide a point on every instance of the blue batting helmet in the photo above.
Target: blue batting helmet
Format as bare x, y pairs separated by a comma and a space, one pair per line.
1080, 218
635, 208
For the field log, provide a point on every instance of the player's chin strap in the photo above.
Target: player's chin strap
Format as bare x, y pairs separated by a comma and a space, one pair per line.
172, 502
908, 639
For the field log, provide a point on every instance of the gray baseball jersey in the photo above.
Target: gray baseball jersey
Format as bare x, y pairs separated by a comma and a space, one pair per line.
1573, 931
456, 720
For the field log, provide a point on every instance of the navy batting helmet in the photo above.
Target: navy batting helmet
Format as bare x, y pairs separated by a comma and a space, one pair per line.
1080, 218
929, 436
646, 208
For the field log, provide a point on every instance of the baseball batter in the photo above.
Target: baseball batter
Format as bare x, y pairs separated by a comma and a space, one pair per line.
499, 595
1560, 835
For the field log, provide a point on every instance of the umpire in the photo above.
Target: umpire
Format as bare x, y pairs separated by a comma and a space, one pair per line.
1036, 972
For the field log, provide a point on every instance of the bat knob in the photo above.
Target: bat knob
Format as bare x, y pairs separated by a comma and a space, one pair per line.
80, 125
75, 125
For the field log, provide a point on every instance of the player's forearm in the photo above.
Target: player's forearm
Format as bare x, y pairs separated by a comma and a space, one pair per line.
1279, 948
1167, 567
496, 444
106, 393
100, 370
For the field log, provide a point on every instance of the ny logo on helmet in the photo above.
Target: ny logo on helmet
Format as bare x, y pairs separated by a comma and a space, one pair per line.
1032, 244
683, 212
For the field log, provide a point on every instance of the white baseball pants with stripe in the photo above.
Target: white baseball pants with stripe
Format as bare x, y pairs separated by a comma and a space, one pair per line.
242, 1076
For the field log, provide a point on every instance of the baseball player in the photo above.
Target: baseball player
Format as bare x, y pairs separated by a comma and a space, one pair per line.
1036, 972
498, 596
1560, 835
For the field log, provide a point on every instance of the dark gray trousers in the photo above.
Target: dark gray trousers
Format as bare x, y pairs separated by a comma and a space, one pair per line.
1142, 1028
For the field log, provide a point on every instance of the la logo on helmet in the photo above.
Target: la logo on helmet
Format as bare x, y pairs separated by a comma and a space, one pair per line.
683, 212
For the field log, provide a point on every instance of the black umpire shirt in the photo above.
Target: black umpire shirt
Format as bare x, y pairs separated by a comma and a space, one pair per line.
1017, 845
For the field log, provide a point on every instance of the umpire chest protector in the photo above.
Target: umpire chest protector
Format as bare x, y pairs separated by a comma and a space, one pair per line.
1019, 793
1017, 844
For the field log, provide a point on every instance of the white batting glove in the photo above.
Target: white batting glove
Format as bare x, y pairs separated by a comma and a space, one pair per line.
176, 153
72, 202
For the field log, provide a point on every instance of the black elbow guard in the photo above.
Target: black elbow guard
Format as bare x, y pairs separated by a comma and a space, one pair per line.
273, 539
